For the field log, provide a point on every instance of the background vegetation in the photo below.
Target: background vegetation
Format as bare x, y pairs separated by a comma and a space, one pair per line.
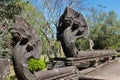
36, 65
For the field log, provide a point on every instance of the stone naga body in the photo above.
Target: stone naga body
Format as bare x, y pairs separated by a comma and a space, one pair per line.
26, 45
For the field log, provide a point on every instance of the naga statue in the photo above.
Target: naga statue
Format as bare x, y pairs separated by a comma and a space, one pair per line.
26, 45
70, 27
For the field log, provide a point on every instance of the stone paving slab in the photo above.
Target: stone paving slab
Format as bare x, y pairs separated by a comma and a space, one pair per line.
109, 72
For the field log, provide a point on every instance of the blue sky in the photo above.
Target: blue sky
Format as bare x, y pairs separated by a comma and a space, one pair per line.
111, 5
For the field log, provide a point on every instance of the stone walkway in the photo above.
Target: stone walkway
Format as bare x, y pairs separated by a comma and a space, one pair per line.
110, 72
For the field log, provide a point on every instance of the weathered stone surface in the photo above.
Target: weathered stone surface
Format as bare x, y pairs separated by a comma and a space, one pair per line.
71, 26
4, 68
56, 74
96, 53
26, 45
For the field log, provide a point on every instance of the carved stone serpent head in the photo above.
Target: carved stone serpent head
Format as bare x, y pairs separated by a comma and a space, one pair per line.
26, 45
71, 26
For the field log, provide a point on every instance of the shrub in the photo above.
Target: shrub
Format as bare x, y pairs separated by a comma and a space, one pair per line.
82, 44
13, 77
36, 64
118, 54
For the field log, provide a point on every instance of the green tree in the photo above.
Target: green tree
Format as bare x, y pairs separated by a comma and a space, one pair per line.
82, 44
104, 29
8, 8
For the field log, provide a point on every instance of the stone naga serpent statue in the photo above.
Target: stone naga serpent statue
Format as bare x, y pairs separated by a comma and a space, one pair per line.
71, 26
26, 45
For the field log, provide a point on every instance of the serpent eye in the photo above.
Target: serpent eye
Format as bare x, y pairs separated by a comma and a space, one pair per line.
29, 48
79, 33
67, 23
16, 37
74, 27
84, 26
23, 41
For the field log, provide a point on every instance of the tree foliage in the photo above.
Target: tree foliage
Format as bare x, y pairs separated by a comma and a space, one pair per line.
8, 8
104, 29
82, 44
